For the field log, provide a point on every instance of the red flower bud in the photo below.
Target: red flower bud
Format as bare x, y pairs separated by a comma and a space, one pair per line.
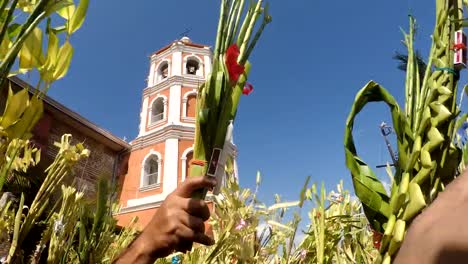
234, 68
248, 88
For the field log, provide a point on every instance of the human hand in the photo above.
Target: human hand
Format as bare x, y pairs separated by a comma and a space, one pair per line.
175, 226
440, 233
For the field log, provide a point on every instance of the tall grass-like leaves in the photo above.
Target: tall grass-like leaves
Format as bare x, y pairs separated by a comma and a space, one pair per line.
248, 231
62, 225
89, 239
337, 232
245, 230
67, 156
424, 128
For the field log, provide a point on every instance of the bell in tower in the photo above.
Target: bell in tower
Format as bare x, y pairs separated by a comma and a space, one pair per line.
164, 71
192, 67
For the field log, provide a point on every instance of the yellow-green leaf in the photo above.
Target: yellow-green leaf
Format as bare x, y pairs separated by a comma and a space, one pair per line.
19, 71
274, 223
78, 16
28, 120
67, 11
37, 157
302, 195
47, 70
416, 202
13, 30
15, 106
27, 5
30, 55
4, 47
283, 205
63, 60
64, 8
59, 29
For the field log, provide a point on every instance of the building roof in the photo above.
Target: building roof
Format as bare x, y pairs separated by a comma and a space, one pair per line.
184, 41
77, 121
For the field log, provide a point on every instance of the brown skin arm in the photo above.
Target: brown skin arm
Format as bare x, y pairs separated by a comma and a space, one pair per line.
174, 227
440, 233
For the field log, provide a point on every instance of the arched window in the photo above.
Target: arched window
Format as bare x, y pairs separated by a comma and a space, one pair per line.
157, 110
191, 105
151, 171
186, 158
189, 158
163, 71
192, 66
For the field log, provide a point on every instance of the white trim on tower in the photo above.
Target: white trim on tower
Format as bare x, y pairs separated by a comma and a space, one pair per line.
177, 63
143, 116
207, 65
151, 75
174, 104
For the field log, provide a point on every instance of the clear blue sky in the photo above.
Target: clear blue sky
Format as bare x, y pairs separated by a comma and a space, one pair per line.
307, 68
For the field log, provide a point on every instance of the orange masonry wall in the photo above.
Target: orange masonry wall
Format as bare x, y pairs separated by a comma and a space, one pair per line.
191, 104
131, 184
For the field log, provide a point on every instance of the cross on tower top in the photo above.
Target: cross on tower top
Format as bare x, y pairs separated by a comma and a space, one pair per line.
185, 33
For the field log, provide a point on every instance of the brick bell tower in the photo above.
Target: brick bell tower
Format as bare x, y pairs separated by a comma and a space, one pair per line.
161, 154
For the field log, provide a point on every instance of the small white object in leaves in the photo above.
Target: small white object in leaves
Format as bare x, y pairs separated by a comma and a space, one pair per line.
229, 150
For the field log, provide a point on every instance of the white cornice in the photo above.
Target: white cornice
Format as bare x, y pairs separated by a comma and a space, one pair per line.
187, 80
198, 51
156, 204
171, 131
131, 209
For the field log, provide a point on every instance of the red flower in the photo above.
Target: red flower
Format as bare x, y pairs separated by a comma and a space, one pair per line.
248, 88
234, 68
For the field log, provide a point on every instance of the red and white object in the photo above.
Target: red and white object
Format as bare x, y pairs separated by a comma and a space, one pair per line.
219, 157
459, 47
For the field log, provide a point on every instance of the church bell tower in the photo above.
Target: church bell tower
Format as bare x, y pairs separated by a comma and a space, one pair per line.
160, 157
